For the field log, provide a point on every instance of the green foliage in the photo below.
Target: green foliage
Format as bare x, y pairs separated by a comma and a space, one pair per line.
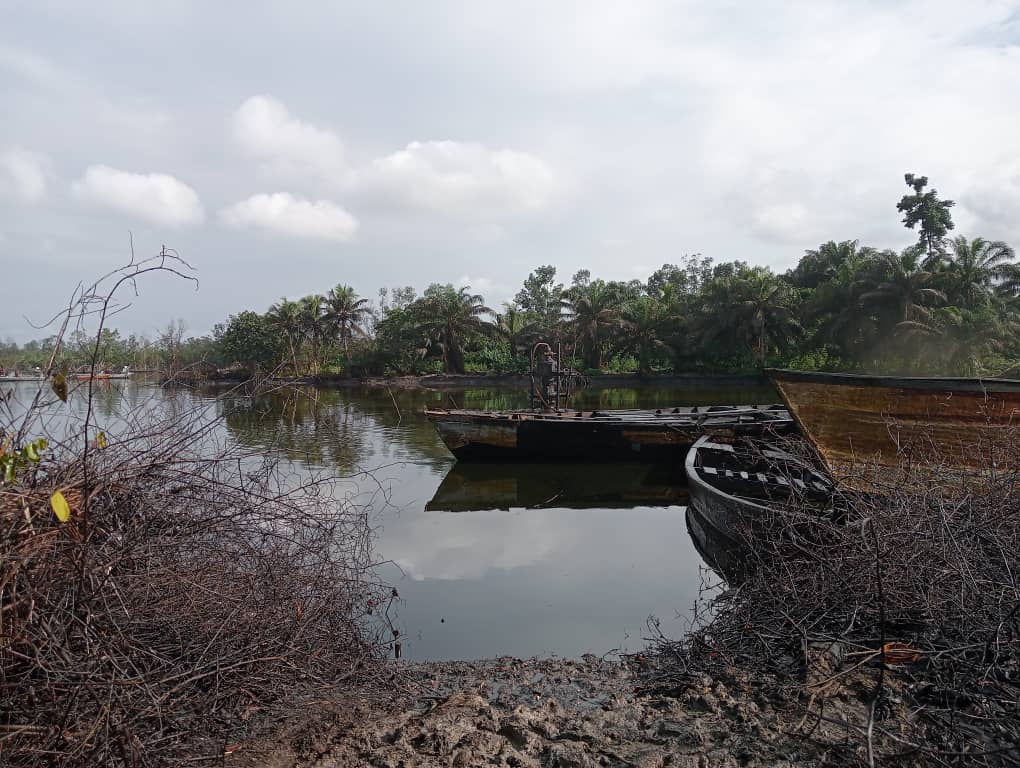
925, 209
251, 340
820, 359
449, 318
748, 308
14, 460
345, 316
541, 298
844, 305
594, 311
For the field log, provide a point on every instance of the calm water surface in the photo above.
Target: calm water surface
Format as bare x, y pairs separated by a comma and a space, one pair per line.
490, 559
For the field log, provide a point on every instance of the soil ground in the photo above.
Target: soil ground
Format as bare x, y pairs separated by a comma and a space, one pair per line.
554, 713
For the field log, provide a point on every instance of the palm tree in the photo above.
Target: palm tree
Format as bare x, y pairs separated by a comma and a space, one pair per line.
903, 290
754, 305
345, 315
314, 326
822, 264
513, 328
644, 322
964, 339
594, 310
976, 268
285, 318
450, 317
835, 311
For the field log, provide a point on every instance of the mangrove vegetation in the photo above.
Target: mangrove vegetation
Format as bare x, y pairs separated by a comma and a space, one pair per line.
946, 304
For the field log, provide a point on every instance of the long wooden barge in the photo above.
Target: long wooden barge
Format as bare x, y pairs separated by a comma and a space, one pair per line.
861, 424
658, 435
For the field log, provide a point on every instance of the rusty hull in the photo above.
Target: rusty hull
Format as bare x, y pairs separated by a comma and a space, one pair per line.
860, 423
599, 436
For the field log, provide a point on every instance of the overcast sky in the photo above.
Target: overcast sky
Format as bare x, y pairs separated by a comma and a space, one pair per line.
286, 147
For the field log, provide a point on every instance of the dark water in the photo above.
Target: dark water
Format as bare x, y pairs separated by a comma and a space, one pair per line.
491, 559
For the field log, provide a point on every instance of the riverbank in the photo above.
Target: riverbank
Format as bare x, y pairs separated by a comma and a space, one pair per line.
894, 640
569, 714
444, 380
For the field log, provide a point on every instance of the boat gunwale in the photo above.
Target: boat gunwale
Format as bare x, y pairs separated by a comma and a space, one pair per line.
919, 383
694, 478
772, 414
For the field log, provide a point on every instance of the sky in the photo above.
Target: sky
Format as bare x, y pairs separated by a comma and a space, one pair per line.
283, 148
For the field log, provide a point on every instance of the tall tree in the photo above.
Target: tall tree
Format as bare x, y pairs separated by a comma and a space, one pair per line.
903, 291
594, 310
644, 323
346, 314
834, 311
512, 327
314, 325
751, 305
821, 264
541, 297
285, 318
925, 209
976, 268
450, 317
249, 338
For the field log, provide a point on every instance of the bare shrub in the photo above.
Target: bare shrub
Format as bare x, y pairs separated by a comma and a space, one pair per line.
897, 632
194, 587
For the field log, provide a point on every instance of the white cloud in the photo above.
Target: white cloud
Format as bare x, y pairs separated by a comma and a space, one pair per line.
495, 292
288, 215
467, 179
994, 200
287, 147
782, 222
156, 197
22, 176
481, 285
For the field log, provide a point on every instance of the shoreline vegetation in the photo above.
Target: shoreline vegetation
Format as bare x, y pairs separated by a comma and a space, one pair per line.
515, 380
161, 589
166, 598
944, 305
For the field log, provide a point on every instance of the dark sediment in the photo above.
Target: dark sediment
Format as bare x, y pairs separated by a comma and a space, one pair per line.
552, 712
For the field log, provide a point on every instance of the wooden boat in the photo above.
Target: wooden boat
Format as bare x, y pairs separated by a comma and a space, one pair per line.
472, 486
569, 435
737, 487
719, 553
861, 424
101, 376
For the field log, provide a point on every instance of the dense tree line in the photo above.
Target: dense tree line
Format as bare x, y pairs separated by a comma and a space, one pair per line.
943, 305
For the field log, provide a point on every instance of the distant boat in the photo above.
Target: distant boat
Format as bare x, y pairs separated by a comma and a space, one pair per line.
124, 373
20, 377
859, 423
602, 435
735, 489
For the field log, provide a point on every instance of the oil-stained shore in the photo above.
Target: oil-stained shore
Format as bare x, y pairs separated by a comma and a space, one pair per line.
566, 714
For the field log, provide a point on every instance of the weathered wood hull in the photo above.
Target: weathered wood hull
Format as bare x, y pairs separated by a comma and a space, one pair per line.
861, 424
610, 436
732, 499
724, 514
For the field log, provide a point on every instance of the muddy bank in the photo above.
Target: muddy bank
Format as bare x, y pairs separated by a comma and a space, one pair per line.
556, 713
